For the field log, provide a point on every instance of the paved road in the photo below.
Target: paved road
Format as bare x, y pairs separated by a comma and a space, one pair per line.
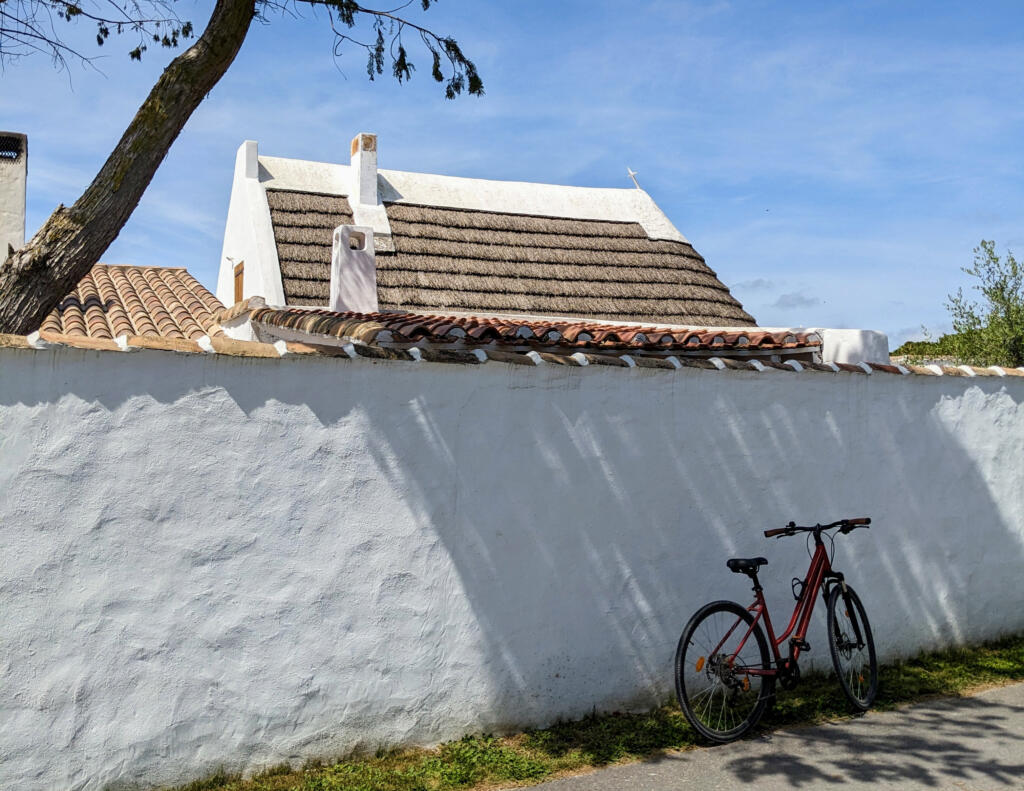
967, 744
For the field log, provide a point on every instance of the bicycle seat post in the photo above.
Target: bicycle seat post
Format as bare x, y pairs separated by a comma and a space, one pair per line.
748, 566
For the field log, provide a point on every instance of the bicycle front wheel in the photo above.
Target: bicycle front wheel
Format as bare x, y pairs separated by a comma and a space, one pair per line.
852, 647
718, 693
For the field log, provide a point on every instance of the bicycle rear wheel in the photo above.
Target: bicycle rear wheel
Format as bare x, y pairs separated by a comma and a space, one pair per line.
719, 697
852, 647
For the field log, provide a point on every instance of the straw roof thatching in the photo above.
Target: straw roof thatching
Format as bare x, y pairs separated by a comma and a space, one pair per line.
460, 260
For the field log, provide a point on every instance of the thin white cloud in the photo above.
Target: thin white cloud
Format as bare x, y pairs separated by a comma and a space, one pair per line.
795, 300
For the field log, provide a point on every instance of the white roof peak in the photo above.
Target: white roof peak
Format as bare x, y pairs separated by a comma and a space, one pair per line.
621, 204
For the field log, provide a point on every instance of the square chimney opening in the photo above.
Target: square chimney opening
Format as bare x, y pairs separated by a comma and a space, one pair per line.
10, 148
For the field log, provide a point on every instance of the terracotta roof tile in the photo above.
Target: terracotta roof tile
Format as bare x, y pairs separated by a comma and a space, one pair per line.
136, 300
375, 328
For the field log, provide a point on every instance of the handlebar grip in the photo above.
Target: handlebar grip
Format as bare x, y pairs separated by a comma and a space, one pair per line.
778, 531
861, 520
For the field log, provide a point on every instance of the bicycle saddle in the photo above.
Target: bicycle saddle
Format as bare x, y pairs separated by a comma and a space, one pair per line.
745, 565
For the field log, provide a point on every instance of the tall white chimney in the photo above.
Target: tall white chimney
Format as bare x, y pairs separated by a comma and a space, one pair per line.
364, 169
364, 197
13, 178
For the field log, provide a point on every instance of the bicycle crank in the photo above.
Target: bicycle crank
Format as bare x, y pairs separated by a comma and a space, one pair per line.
789, 676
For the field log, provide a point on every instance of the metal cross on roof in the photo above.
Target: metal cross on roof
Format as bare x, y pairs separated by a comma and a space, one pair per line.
632, 174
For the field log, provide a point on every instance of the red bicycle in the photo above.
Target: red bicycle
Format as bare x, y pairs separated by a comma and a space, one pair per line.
725, 676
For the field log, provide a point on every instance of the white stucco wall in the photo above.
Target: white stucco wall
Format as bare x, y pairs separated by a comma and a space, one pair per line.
853, 346
211, 560
249, 235
13, 181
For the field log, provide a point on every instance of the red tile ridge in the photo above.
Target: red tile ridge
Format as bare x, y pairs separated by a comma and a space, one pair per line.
407, 327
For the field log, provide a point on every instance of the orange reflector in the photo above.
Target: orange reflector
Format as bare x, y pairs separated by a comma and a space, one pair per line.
700, 664
861, 679
746, 684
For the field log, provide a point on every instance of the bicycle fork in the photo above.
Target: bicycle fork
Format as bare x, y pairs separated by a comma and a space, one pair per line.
851, 611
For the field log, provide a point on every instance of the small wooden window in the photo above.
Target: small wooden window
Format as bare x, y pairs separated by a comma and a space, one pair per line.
239, 280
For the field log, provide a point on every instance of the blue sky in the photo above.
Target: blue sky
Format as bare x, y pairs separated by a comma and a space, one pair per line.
835, 163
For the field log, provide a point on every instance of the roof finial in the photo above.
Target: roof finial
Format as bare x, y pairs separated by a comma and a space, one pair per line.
632, 174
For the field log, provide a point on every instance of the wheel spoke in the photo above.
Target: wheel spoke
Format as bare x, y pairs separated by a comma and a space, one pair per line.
854, 659
721, 699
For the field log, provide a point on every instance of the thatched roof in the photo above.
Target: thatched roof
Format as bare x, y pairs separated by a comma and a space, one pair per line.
464, 260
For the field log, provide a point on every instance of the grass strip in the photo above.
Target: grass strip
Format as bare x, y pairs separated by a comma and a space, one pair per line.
599, 740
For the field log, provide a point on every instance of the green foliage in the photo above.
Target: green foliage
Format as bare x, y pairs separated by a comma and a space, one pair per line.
924, 350
459, 71
989, 332
473, 759
599, 740
470, 761
603, 739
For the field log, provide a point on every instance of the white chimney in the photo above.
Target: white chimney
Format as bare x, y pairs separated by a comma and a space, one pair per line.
353, 270
13, 178
364, 169
364, 197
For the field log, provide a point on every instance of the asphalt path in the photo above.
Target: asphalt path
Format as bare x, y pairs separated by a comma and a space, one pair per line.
973, 743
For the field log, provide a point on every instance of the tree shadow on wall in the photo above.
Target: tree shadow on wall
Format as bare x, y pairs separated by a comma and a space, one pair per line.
582, 515
587, 514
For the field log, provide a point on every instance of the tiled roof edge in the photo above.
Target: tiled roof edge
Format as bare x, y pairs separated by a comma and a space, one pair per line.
582, 333
253, 349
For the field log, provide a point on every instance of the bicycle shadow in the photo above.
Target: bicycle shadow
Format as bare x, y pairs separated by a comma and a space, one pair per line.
933, 744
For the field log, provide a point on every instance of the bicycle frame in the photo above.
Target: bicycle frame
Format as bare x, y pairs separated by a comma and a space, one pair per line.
796, 631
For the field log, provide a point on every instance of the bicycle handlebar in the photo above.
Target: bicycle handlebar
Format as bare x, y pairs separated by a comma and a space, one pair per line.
844, 525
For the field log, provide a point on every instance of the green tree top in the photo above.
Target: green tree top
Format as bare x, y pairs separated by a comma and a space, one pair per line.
989, 331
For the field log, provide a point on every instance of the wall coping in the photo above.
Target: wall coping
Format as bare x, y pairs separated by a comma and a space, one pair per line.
230, 347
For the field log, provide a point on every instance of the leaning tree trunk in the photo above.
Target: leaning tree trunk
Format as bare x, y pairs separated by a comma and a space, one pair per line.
35, 278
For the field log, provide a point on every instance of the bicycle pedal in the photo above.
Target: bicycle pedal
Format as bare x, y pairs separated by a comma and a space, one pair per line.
803, 645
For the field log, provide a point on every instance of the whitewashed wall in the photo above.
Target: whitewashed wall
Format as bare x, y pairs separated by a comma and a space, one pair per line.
207, 559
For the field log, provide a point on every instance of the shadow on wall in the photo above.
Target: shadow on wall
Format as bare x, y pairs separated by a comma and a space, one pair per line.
580, 516
586, 526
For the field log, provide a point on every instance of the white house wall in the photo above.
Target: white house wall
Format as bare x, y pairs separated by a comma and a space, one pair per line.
210, 560
249, 236
13, 182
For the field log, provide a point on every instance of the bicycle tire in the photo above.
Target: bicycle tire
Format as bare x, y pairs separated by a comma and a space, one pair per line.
850, 660
720, 704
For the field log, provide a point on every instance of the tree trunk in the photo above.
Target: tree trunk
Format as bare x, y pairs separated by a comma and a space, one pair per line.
33, 280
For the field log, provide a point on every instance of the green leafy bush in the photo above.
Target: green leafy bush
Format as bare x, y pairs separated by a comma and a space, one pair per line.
989, 332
